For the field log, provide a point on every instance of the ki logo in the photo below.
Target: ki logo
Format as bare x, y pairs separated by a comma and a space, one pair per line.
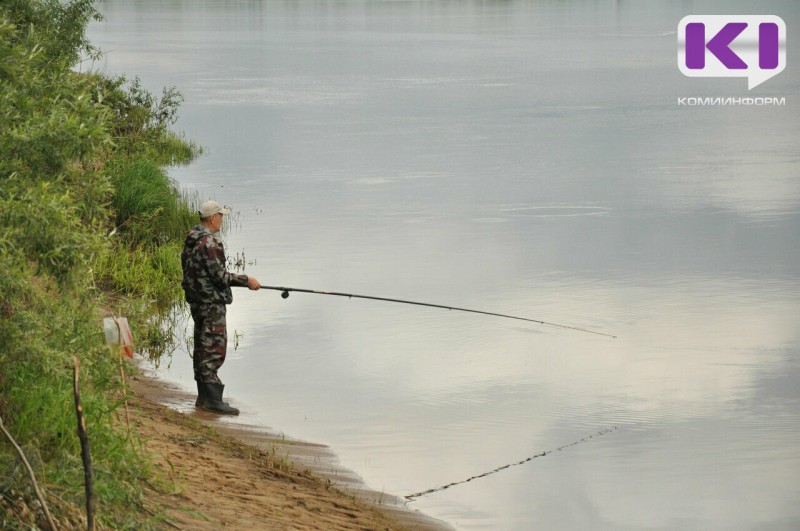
751, 46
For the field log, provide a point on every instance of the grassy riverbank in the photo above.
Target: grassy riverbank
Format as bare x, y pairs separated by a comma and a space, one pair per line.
89, 224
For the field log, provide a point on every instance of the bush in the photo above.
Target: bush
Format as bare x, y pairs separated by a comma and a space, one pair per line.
57, 27
42, 327
78, 154
43, 225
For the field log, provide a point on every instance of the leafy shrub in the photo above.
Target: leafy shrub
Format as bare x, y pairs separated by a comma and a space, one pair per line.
77, 153
140, 121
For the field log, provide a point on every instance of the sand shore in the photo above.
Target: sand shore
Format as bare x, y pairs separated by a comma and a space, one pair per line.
237, 476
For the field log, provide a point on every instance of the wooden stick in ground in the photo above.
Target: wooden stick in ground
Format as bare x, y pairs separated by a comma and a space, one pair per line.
38, 492
91, 502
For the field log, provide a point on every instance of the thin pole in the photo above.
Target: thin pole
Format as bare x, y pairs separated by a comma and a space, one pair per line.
36, 490
86, 456
285, 294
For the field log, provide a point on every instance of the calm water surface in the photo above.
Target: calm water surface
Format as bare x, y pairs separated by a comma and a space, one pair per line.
527, 158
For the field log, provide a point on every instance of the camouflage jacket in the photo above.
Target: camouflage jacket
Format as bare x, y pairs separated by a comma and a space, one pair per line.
205, 279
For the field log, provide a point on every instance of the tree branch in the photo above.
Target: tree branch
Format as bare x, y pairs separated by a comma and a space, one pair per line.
91, 501
38, 492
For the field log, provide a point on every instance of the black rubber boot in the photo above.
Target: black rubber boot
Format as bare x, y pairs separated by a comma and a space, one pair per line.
201, 394
210, 399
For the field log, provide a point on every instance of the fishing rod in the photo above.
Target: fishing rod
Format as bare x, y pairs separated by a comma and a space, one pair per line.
285, 294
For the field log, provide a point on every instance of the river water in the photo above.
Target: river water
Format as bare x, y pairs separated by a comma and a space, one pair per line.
527, 158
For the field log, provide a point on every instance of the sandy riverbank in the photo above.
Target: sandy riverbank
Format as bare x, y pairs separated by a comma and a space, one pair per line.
242, 477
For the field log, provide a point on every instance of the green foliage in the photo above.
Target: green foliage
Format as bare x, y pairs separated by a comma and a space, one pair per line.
9, 56
42, 328
84, 204
148, 205
140, 121
142, 273
42, 223
169, 148
55, 25
141, 112
49, 119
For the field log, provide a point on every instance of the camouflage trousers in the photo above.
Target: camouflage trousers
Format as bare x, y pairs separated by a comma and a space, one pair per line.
210, 341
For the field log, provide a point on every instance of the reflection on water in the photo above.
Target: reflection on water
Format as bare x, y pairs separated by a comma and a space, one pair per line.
525, 158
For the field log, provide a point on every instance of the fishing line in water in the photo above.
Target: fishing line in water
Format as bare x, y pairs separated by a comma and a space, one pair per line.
412, 497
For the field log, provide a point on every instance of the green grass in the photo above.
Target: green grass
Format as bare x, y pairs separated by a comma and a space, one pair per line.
148, 206
152, 275
169, 148
51, 326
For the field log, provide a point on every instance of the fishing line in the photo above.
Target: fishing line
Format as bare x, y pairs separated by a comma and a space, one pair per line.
285, 294
412, 497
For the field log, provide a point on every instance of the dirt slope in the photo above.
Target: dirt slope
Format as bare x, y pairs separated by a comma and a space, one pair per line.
214, 480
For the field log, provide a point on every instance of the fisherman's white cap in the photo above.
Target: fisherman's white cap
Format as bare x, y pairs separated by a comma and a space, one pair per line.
209, 208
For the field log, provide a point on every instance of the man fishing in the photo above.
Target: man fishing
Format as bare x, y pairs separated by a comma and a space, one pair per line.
207, 286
